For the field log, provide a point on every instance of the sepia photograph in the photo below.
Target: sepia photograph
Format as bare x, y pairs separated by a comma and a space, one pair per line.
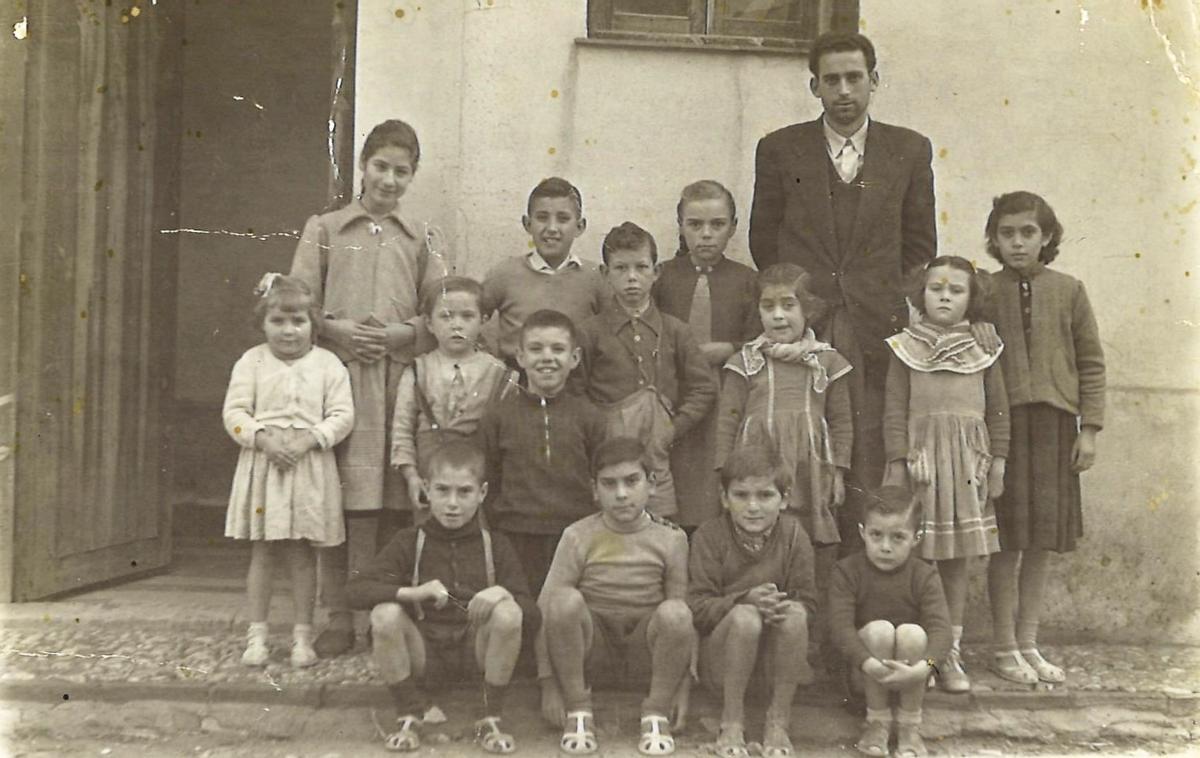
716, 378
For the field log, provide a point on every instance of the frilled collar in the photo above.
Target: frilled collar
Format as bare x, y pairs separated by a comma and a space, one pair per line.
352, 212
926, 347
807, 349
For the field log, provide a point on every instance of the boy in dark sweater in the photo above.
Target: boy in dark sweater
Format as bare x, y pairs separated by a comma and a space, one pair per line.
642, 367
538, 444
751, 591
888, 617
445, 595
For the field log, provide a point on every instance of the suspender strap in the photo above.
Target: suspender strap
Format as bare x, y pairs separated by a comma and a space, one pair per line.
416, 576
423, 402
489, 563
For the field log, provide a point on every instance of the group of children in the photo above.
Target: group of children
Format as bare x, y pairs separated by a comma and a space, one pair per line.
624, 395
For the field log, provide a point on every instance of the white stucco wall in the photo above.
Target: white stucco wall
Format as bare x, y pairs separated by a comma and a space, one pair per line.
1091, 104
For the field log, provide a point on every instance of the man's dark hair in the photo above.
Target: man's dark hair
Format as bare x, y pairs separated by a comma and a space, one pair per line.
840, 42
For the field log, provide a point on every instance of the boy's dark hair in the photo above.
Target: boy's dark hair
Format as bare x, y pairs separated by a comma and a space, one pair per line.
1019, 202
628, 236
798, 281
892, 500
445, 286
976, 297
705, 189
555, 186
392, 133
616, 450
840, 42
288, 294
755, 460
460, 454
547, 318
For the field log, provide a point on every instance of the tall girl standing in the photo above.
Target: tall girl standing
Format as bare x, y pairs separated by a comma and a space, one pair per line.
945, 428
716, 298
368, 266
1054, 372
288, 404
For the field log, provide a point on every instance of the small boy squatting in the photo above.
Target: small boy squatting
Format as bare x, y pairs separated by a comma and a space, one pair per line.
751, 588
444, 595
613, 603
888, 617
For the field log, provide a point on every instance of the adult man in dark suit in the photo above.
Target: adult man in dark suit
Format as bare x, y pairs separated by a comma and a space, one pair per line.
850, 200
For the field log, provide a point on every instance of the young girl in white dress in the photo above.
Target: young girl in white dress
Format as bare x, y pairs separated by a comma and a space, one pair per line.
288, 404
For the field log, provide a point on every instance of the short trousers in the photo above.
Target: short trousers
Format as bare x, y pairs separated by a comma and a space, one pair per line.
620, 654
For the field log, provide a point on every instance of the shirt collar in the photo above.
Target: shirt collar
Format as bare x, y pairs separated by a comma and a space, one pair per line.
834, 141
354, 211
703, 269
539, 264
617, 316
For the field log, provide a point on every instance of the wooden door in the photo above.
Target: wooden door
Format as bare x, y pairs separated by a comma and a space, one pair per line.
95, 285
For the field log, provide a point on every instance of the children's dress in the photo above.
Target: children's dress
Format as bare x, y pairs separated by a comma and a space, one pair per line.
952, 392
803, 411
311, 394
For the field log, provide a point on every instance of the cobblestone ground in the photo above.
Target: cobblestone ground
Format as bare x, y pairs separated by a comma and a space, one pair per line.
76, 653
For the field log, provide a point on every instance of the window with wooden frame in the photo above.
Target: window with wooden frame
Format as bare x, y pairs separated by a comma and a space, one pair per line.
783, 24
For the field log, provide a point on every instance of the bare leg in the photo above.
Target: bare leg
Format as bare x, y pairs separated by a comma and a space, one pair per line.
911, 644
785, 638
498, 642
1002, 589
879, 636
258, 580
397, 645
303, 563
671, 637
1034, 569
954, 581
568, 640
729, 654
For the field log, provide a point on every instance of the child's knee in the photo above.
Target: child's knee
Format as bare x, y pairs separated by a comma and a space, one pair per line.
673, 617
880, 637
564, 606
389, 620
794, 621
911, 642
745, 621
505, 618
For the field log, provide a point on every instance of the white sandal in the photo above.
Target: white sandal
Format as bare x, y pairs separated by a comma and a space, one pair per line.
405, 739
656, 736
1046, 671
580, 740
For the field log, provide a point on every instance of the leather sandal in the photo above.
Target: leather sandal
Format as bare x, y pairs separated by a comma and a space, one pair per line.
1045, 670
405, 739
490, 737
656, 736
579, 733
1011, 666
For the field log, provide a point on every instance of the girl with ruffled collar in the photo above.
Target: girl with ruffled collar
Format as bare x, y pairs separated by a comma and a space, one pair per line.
782, 389
946, 429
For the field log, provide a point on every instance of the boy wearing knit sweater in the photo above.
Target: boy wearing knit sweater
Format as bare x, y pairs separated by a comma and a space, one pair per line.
614, 607
539, 443
888, 617
751, 591
447, 598
550, 276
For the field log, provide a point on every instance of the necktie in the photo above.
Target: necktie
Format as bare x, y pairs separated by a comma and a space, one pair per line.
458, 393
700, 317
847, 162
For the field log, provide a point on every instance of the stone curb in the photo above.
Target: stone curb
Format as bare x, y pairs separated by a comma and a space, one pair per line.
321, 695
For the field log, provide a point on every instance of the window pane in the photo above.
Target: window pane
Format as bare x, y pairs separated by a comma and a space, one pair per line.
762, 10
653, 7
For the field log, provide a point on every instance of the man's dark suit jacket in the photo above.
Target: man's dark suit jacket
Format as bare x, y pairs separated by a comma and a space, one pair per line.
792, 221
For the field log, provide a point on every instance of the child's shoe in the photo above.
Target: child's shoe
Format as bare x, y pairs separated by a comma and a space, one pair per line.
656, 736
1046, 671
491, 738
1012, 666
303, 654
257, 653
951, 675
909, 743
874, 739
